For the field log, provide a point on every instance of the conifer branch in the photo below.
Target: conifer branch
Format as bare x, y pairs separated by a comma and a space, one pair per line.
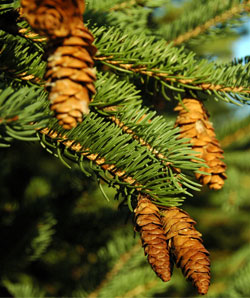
26, 64
141, 288
170, 67
100, 161
104, 5
19, 26
23, 76
202, 16
142, 125
30, 34
236, 136
112, 174
119, 5
226, 15
141, 162
135, 163
125, 5
179, 79
124, 258
8, 120
22, 112
157, 154
120, 141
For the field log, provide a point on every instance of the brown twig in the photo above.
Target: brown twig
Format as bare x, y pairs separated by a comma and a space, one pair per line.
29, 34
100, 161
166, 77
216, 20
124, 5
124, 258
8, 120
129, 131
239, 134
141, 289
24, 76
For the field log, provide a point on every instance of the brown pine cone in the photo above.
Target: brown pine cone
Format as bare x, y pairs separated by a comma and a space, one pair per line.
185, 243
70, 75
194, 123
153, 239
53, 18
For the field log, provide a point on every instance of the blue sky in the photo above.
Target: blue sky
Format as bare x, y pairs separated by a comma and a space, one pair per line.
241, 48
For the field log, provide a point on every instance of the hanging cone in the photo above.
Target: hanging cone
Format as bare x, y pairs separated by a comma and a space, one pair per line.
53, 18
149, 225
194, 123
70, 75
186, 246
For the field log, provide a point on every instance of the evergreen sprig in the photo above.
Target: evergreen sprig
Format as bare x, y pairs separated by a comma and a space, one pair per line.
108, 5
118, 159
126, 256
121, 141
239, 287
21, 61
22, 112
7, 5
172, 68
201, 17
23, 289
45, 232
102, 5
130, 158
234, 134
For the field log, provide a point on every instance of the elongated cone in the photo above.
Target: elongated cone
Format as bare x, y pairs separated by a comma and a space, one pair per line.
70, 75
149, 225
194, 123
53, 18
185, 243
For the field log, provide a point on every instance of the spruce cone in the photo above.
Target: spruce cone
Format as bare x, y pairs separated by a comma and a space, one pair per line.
153, 239
186, 246
194, 123
70, 74
53, 18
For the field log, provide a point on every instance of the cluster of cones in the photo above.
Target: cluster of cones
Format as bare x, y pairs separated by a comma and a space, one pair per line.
194, 124
168, 236
70, 75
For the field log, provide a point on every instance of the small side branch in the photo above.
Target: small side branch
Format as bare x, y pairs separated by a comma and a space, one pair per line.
124, 258
239, 134
100, 161
216, 20
8, 120
124, 5
156, 153
139, 290
156, 73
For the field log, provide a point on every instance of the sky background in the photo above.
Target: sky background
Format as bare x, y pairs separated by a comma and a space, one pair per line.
241, 48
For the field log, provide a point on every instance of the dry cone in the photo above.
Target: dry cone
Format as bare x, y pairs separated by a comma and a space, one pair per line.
152, 236
186, 246
70, 75
194, 123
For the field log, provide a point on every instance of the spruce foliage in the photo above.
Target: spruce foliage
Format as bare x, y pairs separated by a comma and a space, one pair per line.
61, 237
